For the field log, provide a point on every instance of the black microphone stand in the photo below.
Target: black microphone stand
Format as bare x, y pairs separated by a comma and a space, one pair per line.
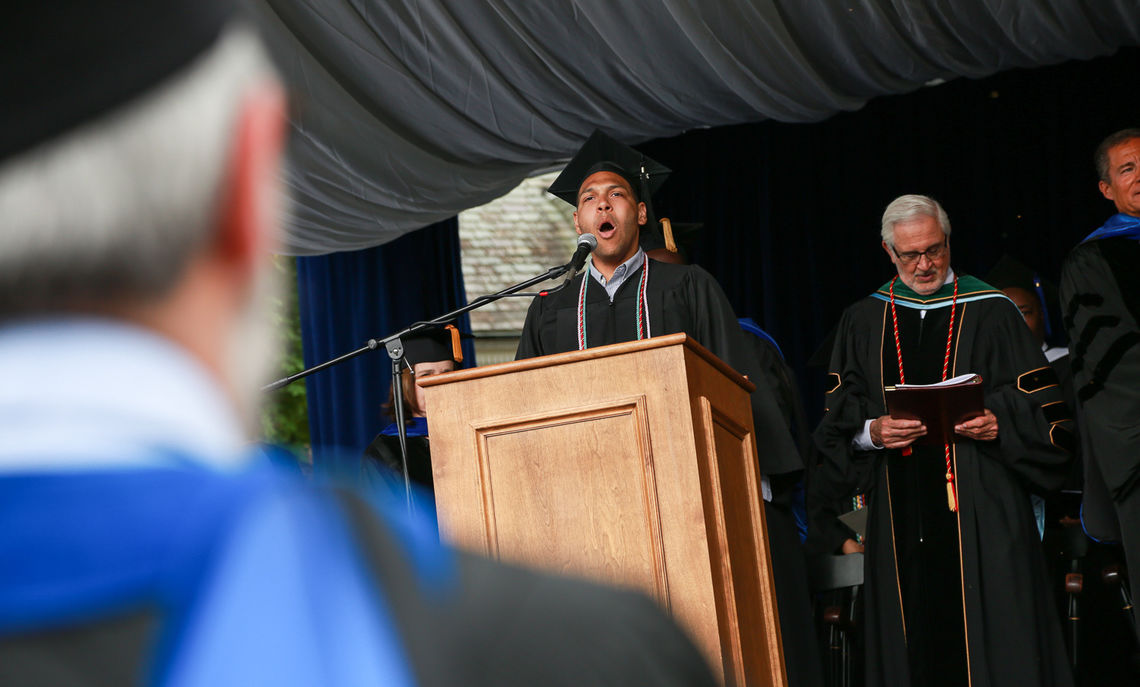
395, 347
395, 350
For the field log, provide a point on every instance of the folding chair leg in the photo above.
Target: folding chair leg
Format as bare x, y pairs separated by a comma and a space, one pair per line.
834, 656
1114, 575
845, 660
1074, 585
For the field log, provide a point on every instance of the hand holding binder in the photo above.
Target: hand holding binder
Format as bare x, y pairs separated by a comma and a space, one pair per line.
982, 428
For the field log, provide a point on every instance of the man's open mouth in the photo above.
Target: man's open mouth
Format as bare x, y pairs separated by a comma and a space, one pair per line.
606, 230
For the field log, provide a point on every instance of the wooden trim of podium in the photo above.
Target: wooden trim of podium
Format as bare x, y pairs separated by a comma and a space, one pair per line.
594, 354
740, 552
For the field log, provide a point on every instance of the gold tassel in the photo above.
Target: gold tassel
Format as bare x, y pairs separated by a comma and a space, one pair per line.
456, 344
951, 494
667, 230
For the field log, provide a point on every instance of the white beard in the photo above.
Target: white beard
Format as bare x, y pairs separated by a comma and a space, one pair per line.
254, 348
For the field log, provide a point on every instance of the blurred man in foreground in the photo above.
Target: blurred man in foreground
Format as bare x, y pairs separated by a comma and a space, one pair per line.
138, 146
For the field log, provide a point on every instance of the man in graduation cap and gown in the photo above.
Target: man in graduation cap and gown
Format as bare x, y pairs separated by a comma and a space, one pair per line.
1100, 297
624, 296
141, 544
955, 581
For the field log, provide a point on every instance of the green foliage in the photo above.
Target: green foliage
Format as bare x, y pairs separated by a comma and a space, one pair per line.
285, 417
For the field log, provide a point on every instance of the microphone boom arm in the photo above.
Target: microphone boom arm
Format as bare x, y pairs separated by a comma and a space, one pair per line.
374, 344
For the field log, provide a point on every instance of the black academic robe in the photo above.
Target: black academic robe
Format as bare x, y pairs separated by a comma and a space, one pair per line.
381, 462
680, 298
948, 592
828, 497
1100, 296
778, 376
789, 568
1066, 504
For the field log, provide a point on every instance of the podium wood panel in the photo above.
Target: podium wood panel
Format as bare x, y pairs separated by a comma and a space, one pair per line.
632, 464
533, 507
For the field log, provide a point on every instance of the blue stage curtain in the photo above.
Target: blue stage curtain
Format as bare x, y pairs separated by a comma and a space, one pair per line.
348, 298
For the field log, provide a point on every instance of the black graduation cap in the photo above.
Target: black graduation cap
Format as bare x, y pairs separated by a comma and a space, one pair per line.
600, 153
1011, 272
434, 345
67, 62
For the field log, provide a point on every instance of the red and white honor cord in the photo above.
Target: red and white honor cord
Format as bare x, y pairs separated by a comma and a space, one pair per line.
951, 491
643, 326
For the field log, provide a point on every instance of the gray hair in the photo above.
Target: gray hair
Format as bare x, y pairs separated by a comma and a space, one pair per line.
1100, 158
113, 210
906, 208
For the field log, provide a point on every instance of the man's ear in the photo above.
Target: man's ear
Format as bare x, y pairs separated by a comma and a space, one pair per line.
642, 215
890, 253
576, 227
247, 211
1106, 190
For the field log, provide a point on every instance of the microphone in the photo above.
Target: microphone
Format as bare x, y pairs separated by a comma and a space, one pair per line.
586, 245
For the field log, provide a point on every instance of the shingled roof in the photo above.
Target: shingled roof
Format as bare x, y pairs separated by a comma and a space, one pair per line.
504, 242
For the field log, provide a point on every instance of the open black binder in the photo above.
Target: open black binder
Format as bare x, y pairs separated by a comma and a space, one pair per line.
939, 406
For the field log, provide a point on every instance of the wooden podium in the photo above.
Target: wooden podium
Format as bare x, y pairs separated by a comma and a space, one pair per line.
633, 464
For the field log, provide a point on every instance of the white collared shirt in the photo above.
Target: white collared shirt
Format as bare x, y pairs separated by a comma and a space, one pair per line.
81, 393
620, 274
1054, 352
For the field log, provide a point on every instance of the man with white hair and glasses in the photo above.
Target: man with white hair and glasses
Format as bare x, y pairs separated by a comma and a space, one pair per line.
956, 588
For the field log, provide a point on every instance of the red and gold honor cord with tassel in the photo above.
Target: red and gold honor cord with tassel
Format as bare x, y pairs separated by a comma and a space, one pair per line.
951, 491
643, 324
906, 450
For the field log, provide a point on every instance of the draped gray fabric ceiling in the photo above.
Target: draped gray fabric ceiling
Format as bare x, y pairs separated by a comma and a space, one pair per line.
409, 111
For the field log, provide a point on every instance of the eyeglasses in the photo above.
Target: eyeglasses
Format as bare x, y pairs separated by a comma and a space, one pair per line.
911, 256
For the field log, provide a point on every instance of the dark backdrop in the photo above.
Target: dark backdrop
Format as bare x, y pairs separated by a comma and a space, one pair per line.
792, 211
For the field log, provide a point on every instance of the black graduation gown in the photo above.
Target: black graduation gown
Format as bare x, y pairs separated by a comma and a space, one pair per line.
778, 376
946, 592
1100, 296
680, 298
789, 568
381, 470
381, 462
